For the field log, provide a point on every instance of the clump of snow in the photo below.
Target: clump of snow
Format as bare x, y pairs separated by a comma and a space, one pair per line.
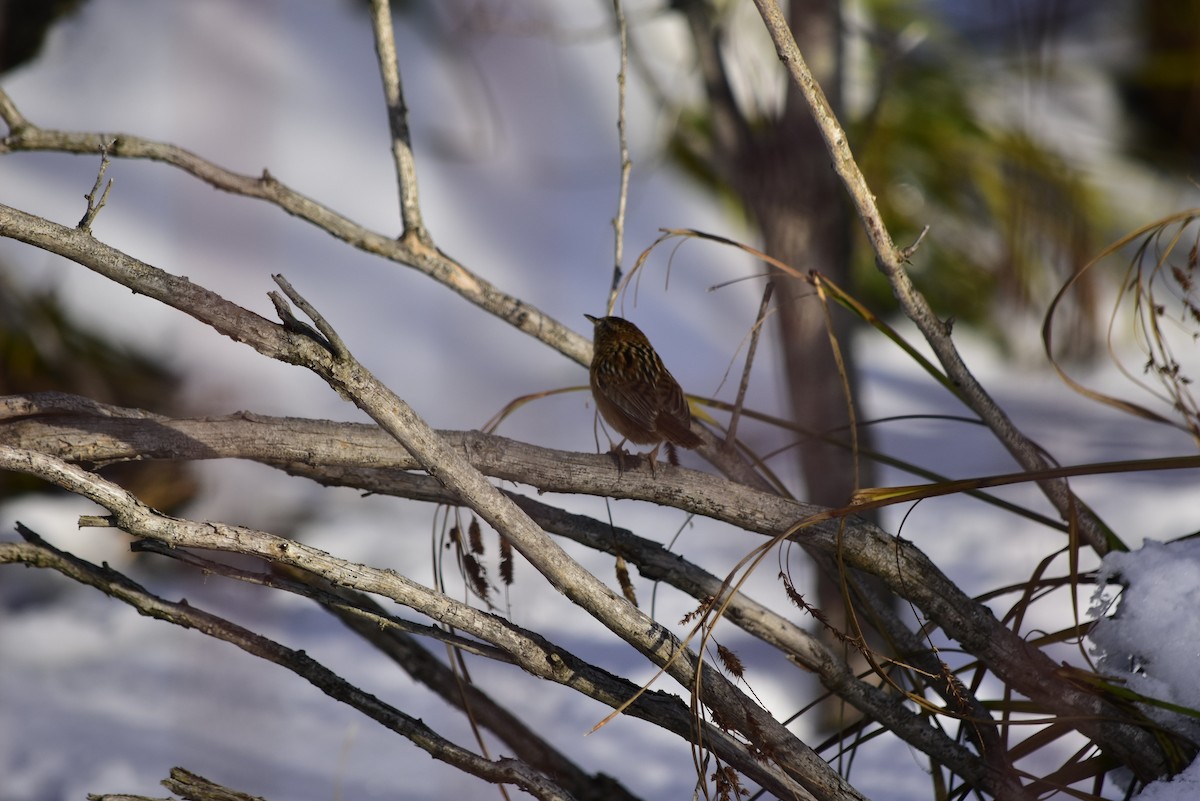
1180, 788
1148, 632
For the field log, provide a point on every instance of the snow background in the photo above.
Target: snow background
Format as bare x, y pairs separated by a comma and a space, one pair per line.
517, 164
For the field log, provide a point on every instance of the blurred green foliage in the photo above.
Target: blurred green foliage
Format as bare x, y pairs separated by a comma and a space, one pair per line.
942, 123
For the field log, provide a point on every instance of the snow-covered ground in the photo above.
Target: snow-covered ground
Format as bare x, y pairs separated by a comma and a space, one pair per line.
94, 698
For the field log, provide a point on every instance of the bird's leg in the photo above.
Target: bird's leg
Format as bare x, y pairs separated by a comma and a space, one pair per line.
653, 456
618, 452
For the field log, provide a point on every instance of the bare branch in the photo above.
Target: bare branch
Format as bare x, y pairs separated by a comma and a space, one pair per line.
529, 650
186, 785
12, 117
626, 164
371, 615
458, 691
411, 252
94, 203
397, 112
39, 553
332, 340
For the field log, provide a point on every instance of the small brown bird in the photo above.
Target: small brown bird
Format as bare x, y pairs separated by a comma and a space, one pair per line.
633, 390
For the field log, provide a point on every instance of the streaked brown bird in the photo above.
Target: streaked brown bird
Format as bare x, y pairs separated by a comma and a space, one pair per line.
634, 392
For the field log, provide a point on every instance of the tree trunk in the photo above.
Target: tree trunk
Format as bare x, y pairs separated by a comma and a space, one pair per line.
787, 183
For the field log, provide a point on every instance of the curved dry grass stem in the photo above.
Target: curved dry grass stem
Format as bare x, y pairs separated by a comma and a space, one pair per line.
1168, 290
744, 384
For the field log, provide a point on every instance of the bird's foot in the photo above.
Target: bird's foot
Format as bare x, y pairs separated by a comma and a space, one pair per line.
619, 455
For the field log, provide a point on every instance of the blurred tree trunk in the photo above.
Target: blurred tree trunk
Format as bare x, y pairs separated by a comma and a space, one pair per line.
804, 221
798, 203
779, 169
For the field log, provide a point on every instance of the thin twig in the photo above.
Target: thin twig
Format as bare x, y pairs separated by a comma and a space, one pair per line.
909, 251
12, 117
755, 332
297, 326
626, 163
93, 204
337, 346
397, 111
194, 787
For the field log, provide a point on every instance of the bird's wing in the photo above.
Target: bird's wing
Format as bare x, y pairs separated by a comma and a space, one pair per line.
635, 398
675, 419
